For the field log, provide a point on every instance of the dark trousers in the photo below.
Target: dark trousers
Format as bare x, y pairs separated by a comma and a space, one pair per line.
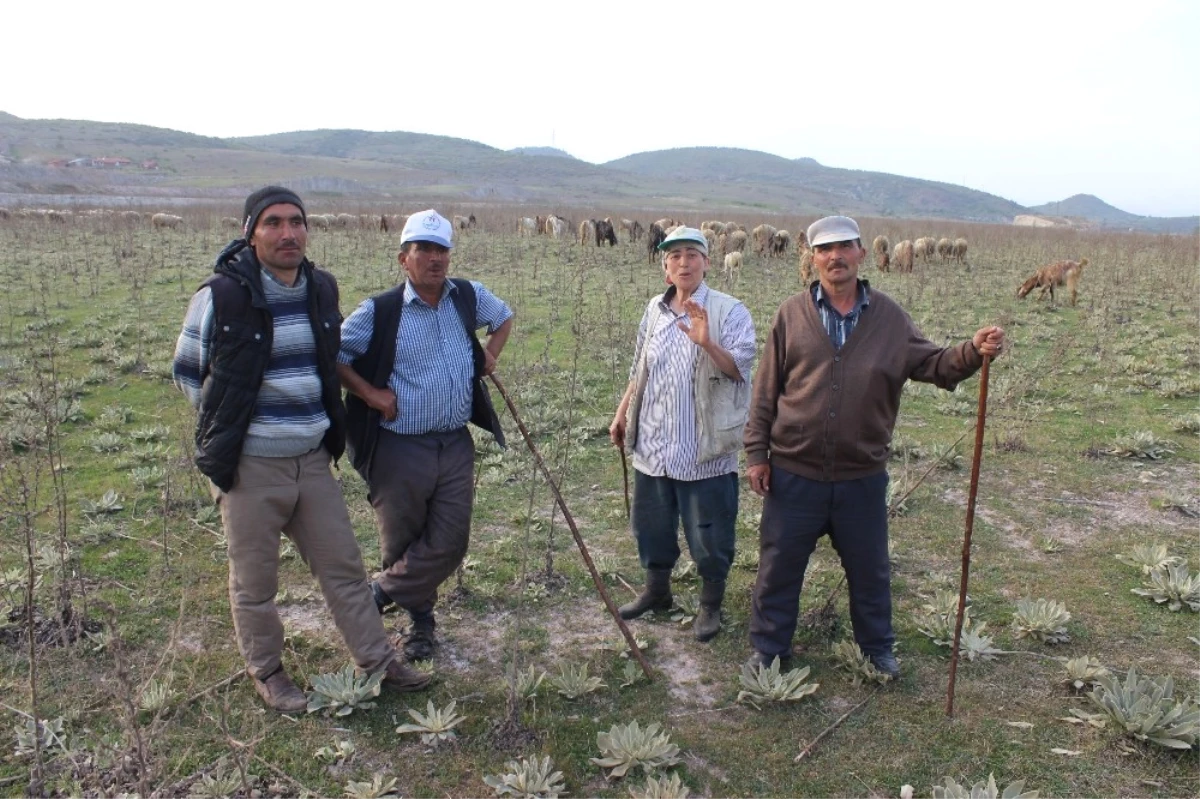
708, 509
796, 513
422, 489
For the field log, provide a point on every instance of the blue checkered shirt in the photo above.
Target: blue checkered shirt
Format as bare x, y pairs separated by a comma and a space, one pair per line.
434, 366
837, 326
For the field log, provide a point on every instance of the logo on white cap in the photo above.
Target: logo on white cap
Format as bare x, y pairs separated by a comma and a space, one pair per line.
431, 222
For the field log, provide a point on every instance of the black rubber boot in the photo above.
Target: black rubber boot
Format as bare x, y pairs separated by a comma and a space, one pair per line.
383, 602
421, 641
708, 620
655, 596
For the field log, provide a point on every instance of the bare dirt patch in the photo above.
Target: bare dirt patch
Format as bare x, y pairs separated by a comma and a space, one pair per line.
310, 618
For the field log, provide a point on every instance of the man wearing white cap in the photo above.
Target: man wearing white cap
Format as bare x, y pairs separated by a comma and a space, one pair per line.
413, 369
825, 403
682, 418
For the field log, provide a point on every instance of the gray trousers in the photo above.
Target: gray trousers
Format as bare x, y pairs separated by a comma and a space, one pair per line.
299, 497
423, 490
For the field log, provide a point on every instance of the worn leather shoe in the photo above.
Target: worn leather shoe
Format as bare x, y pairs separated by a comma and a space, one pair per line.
403, 678
765, 660
280, 693
885, 663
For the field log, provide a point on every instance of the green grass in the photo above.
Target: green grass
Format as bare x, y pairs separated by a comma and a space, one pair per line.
86, 300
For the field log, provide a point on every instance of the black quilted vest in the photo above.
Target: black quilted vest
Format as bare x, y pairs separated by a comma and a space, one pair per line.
243, 332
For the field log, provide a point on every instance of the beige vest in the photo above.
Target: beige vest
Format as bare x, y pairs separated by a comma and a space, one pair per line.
722, 404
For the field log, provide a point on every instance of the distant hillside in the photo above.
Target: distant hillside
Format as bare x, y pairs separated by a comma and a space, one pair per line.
126, 160
67, 138
811, 187
552, 152
1098, 212
450, 162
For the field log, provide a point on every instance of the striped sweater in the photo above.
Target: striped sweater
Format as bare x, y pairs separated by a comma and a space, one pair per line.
289, 418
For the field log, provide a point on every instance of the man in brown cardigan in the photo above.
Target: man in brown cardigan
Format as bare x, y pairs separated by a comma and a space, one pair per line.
821, 419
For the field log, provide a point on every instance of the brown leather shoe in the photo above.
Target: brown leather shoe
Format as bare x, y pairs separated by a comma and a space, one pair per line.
403, 678
281, 694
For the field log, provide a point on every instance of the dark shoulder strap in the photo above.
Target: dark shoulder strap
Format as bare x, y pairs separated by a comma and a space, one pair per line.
467, 305
375, 365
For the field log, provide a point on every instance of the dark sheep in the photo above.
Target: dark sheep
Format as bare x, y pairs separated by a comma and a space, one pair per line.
605, 232
654, 238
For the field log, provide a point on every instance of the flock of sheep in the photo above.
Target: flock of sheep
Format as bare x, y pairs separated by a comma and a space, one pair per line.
728, 242
62, 217
924, 249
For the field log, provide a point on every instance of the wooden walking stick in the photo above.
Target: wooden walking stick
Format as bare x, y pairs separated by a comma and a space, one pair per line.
583, 550
625, 474
981, 415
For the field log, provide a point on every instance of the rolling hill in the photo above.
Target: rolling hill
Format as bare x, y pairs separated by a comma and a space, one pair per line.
1096, 211
357, 165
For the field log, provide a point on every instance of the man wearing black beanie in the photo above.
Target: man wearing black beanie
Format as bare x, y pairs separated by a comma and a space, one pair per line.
256, 359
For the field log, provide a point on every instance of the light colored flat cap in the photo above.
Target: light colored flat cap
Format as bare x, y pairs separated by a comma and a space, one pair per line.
685, 235
832, 229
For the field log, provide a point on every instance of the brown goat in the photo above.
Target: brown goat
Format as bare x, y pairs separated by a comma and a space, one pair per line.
1055, 274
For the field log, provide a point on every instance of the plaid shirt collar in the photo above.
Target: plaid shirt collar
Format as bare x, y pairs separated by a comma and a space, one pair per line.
862, 301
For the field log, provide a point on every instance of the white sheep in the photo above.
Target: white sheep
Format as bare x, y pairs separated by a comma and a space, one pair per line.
587, 232
945, 249
806, 266
960, 250
733, 266
902, 256
761, 236
161, 221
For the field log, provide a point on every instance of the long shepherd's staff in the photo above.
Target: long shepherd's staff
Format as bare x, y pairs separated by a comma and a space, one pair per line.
981, 415
583, 550
625, 474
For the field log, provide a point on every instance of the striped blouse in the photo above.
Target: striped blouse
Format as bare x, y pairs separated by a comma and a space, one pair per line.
666, 433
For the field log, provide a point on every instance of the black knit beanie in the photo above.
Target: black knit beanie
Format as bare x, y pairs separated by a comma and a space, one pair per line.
263, 199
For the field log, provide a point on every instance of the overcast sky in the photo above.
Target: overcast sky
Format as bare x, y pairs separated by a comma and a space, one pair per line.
1033, 101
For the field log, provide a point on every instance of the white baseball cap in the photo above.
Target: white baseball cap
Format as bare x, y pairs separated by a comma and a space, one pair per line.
685, 235
831, 230
428, 226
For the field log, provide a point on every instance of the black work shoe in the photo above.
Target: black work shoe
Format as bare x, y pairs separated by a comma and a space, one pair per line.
765, 660
420, 643
383, 602
886, 664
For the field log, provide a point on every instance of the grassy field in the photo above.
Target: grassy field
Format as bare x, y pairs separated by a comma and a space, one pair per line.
1092, 448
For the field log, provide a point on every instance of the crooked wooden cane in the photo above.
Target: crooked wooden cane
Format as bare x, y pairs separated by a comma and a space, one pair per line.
583, 550
981, 415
